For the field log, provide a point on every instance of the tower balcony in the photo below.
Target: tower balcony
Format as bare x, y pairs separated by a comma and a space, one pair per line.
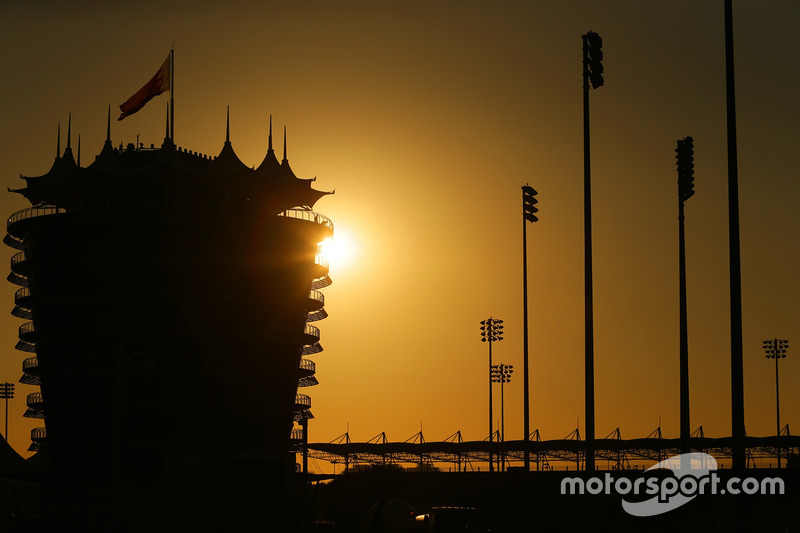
296, 436
316, 308
38, 434
30, 379
302, 414
310, 334
308, 381
307, 377
34, 413
323, 279
22, 312
316, 316
19, 263
302, 402
307, 367
35, 400
27, 332
35, 406
31, 365
22, 297
311, 349
316, 300
17, 220
25, 346
30, 371
17, 279
304, 214
14, 242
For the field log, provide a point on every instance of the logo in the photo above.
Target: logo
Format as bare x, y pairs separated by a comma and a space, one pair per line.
692, 474
690, 469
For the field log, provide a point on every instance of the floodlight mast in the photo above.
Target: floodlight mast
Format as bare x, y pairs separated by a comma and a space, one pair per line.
776, 349
491, 331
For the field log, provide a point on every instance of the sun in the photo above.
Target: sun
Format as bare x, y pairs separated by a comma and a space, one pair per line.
337, 250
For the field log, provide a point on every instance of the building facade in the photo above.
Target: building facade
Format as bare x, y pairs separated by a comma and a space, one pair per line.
169, 299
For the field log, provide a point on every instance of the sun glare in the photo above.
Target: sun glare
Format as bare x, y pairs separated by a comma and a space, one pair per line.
337, 250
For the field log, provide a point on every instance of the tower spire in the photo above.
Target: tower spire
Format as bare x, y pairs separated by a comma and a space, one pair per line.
79, 150
269, 147
69, 132
107, 148
167, 136
284, 145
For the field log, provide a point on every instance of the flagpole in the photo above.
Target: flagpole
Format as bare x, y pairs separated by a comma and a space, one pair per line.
172, 93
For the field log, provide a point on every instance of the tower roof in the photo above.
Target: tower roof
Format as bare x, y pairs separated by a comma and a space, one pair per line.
136, 175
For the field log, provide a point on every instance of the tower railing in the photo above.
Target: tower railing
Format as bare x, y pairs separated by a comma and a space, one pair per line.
26, 328
308, 365
18, 257
297, 434
307, 214
17, 279
30, 365
317, 315
13, 241
22, 312
35, 399
311, 349
38, 434
303, 400
321, 261
318, 296
24, 292
312, 331
26, 346
36, 211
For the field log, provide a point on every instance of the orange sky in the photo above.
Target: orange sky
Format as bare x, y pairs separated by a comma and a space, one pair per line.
427, 117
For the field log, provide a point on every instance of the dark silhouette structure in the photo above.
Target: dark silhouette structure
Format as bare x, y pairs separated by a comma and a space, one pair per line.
592, 73
491, 331
685, 162
529, 211
169, 296
566, 452
776, 349
737, 357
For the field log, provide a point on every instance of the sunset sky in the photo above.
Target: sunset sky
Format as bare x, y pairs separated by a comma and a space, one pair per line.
427, 118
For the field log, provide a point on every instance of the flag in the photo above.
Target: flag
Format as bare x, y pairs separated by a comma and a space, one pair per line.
157, 85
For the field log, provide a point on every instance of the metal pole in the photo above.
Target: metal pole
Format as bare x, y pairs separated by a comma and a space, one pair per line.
777, 405
525, 390
304, 425
685, 429
491, 464
737, 363
588, 305
172, 93
503, 422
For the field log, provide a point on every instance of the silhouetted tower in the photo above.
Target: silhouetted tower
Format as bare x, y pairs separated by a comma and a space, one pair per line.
169, 296
592, 73
685, 162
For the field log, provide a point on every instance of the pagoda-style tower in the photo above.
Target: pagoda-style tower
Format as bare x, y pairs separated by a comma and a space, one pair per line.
168, 296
